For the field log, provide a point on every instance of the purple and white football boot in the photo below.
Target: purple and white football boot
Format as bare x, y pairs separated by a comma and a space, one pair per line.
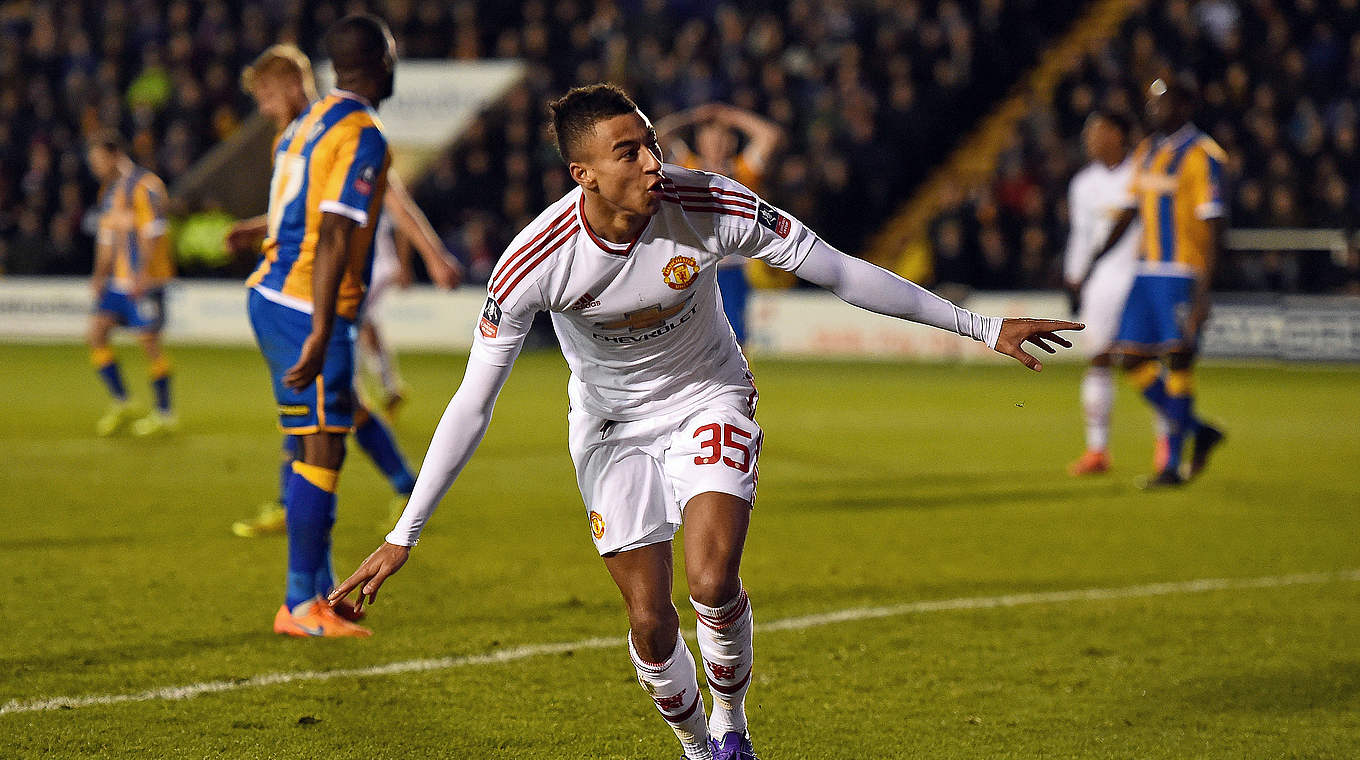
734, 746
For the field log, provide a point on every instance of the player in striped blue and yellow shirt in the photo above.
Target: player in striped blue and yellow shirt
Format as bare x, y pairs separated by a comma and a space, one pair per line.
1178, 193
330, 174
282, 84
132, 267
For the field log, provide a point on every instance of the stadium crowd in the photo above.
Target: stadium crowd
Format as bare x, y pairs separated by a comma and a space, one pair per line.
165, 74
869, 94
1279, 86
875, 90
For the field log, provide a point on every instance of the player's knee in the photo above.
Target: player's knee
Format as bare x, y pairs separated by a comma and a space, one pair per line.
1131, 362
654, 630
324, 450
1181, 360
714, 586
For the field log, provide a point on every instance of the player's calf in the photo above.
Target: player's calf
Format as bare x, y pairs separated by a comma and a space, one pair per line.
673, 684
726, 638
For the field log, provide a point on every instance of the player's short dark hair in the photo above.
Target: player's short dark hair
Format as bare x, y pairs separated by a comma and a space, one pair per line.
356, 42
1114, 119
1182, 89
574, 114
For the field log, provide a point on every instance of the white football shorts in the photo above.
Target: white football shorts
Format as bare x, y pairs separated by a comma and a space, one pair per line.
1102, 306
636, 477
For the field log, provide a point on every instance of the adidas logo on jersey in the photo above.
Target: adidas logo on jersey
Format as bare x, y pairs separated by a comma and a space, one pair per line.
586, 301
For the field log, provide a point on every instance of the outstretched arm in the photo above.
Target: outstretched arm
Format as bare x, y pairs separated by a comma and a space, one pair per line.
459, 432
862, 284
444, 270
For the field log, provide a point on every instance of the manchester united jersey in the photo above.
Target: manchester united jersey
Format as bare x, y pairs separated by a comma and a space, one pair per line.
640, 324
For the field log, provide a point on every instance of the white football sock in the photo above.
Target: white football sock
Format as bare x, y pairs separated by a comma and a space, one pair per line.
1097, 399
674, 686
726, 636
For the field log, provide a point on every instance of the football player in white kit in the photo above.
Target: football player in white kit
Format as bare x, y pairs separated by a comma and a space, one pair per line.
662, 403
1097, 195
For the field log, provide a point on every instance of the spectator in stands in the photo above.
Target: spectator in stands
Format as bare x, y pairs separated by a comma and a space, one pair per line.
719, 130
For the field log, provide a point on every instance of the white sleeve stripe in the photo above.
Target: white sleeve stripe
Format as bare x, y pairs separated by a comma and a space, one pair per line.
336, 207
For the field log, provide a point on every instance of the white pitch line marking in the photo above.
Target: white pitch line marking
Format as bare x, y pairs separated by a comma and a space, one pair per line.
513, 654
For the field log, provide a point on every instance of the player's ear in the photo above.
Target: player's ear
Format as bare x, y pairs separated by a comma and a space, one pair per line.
582, 175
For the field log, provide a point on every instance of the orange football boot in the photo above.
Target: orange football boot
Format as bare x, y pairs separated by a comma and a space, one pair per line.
346, 609
1090, 463
314, 618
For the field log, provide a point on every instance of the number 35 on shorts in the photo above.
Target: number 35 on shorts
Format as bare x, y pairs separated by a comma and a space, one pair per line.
726, 443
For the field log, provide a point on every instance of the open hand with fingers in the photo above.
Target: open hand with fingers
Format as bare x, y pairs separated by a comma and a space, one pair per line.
383, 562
1040, 332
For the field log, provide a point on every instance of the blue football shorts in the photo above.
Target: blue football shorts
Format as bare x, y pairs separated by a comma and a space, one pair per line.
146, 314
327, 405
1155, 315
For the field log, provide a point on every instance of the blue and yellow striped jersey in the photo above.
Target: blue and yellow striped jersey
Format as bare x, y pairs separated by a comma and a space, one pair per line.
132, 221
1178, 186
332, 159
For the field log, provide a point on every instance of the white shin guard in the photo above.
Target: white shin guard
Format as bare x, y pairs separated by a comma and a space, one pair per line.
726, 636
674, 686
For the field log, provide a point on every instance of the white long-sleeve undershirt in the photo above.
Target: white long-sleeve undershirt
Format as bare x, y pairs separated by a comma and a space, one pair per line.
853, 280
862, 284
459, 431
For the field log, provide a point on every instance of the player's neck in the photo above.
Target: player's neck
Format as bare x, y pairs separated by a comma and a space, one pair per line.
611, 222
1176, 130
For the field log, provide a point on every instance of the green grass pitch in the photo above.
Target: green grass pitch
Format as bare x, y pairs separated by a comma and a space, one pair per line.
881, 484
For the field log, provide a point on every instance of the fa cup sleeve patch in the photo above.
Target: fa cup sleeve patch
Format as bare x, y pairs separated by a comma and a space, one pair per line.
491, 318
773, 220
364, 182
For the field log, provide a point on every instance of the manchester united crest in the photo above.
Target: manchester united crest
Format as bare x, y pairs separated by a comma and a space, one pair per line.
679, 272
596, 525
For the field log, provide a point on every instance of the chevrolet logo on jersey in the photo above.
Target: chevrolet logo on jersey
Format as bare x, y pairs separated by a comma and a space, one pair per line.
654, 320
643, 319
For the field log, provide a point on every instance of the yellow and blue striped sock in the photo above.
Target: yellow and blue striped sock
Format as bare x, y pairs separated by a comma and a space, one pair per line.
160, 383
106, 364
309, 501
1180, 389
